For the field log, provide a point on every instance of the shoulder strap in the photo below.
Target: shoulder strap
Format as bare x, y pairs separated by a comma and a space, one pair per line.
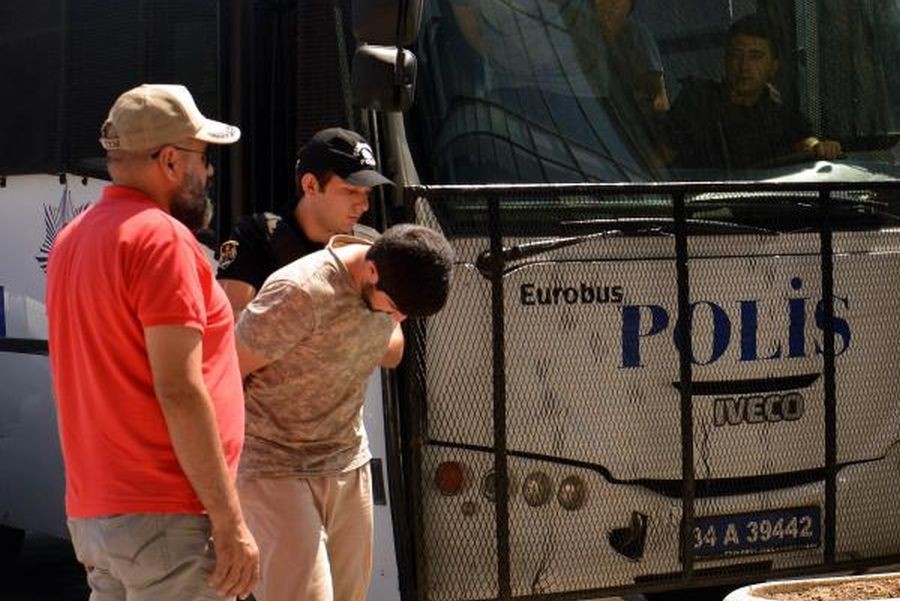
365, 232
266, 222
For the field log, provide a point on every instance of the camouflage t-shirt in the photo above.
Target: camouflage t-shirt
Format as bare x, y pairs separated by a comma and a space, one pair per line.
304, 409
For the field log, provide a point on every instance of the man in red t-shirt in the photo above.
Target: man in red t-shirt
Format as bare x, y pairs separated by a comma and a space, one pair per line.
145, 372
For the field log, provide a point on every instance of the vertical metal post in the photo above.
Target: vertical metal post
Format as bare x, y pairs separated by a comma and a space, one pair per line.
827, 251
412, 562
2, 313
501, 477
685, 356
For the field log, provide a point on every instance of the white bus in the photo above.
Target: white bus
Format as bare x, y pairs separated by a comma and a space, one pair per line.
653, 374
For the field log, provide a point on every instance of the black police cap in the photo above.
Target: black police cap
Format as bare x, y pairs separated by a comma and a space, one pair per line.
343, 152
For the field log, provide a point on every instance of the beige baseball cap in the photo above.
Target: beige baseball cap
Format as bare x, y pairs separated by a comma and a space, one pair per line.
153, 115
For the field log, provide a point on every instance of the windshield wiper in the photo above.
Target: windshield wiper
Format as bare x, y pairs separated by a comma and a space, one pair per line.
854, 207
613, 228
666, 225
526, 250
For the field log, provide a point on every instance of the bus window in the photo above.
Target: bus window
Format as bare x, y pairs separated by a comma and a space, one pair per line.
606, 90
539, 64
857, 43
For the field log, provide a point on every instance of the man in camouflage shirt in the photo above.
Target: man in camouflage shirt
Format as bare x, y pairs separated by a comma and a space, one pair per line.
307, 345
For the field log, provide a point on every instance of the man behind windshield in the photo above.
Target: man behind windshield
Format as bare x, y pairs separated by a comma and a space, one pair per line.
629, 49
741, 122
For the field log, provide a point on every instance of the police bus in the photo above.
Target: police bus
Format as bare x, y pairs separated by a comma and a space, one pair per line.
669, 358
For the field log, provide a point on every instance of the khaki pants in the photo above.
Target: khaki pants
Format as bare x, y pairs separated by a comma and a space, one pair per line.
314, 535
146, 556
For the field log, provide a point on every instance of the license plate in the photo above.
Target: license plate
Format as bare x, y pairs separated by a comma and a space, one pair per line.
757, 532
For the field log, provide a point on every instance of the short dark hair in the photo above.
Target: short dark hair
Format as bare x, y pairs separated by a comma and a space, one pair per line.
413, 264
754, 25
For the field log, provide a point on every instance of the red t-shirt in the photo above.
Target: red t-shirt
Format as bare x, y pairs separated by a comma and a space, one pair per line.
122, 266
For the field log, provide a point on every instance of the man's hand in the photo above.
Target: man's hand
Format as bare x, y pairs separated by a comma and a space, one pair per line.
237, 560
821, 149
827, 149
394, 353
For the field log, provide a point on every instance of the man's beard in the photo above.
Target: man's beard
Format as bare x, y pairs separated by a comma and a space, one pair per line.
189, 204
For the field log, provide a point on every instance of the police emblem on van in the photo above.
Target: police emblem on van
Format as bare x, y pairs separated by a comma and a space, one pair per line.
55, 218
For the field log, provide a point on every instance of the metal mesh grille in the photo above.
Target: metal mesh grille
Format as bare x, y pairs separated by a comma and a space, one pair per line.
592, 386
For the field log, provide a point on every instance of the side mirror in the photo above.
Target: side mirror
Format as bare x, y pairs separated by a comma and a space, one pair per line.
383, 78
375, 21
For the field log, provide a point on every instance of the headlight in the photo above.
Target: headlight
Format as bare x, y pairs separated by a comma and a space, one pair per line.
489, 485
572, 492
450, 478
537, 489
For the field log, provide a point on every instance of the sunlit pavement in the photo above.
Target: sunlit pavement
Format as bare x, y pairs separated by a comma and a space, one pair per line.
47, 571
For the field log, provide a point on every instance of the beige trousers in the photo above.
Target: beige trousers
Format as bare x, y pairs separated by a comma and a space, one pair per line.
314, 535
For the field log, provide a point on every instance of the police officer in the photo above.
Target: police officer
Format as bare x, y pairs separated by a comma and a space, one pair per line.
336, 172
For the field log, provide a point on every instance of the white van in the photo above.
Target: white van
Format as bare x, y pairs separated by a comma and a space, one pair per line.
650, 376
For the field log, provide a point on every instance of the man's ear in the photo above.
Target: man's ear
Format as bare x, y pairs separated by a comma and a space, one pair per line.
309, 184
168, 162
371, 272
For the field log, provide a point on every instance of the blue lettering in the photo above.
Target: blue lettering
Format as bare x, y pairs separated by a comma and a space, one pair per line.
749, 334
638, 325
721, 326
631, 331
841, 327
797, 328
749, 326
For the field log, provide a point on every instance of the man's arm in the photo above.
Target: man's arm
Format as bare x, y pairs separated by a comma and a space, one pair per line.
249, 360
239, 295
175, 354
394, 353
245, 260
675, 138
467, 20
659, 97
278, 318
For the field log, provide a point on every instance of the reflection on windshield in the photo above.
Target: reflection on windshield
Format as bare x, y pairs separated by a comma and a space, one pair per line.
632, 90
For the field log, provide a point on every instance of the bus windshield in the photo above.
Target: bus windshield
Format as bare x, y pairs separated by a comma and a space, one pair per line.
661, 90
